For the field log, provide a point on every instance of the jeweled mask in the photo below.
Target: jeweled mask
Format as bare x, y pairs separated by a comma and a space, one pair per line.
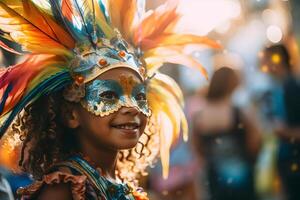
104, 97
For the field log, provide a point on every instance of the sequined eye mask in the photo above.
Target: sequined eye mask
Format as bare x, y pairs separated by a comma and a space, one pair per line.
104, 97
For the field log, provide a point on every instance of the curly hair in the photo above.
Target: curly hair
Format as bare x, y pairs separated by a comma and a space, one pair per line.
47, 141
45, 138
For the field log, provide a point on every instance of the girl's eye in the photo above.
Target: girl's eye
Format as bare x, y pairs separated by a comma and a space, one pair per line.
109, 95
141, 97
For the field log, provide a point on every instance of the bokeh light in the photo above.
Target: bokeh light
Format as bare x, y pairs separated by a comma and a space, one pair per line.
274, 34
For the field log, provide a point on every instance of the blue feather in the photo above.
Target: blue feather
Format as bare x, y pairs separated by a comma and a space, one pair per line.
83, 27
104, 11
5, 96
52, 84
72, 28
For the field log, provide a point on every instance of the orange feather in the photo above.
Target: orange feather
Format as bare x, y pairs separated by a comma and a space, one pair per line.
115, 7
128, 19
156, 22
177, 39
67, 9
122, 14
30, 27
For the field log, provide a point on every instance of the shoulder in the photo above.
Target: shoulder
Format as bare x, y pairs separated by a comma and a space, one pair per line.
56, 185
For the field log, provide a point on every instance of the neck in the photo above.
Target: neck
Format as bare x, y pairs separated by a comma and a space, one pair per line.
100, 157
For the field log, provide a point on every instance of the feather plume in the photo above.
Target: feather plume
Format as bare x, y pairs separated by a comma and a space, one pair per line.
31, 28
85, 19
165, 40
156, 57
156, 22
169, 115
123, 13
100, 18
79, 15
52, 82
67, 10
27, 70
169, 84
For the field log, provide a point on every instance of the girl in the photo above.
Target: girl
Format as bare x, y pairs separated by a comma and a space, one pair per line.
92, 110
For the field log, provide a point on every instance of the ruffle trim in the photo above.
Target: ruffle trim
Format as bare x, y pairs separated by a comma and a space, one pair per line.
78, 185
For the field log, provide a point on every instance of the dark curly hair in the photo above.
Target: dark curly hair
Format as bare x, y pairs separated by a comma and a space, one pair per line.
47, 141
45, 138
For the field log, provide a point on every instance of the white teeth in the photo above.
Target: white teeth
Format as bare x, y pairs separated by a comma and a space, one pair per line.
127, 127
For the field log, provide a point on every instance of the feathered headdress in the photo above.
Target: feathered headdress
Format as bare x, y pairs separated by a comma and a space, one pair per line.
67, 41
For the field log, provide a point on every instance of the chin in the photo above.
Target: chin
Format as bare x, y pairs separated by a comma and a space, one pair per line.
127, 145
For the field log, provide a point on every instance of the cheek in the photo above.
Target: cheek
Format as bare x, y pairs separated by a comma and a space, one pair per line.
144, 121
102, 123
95, 123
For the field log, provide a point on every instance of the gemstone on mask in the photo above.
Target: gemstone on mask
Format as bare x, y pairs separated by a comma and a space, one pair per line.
102, 62
122, 54
79, 79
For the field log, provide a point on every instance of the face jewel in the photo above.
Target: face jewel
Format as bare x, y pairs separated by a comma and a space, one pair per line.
103, 62
122, 53
79, 80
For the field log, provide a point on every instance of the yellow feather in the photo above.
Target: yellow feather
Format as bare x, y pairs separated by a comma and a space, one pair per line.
159, 97
31, 28
170, 118
122, 14
165, 142
128, 20
169, 84
184, 126
100, 19
173, 55
170, 111
165, 40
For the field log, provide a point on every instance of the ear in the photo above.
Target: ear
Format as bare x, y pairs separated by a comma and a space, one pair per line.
70, 115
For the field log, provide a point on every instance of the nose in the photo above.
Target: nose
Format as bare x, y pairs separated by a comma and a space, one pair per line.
129, 111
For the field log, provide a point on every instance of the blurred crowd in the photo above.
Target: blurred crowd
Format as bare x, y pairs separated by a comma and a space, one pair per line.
243, 151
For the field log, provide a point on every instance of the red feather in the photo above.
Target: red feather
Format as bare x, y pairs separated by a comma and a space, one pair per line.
32, 65
67, 9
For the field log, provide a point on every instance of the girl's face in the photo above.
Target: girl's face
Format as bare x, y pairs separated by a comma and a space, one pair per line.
114, 112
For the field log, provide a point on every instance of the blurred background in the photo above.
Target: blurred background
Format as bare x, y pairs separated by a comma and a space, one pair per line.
244, 121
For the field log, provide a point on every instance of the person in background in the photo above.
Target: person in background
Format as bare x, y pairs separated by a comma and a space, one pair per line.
227, 140
285, 104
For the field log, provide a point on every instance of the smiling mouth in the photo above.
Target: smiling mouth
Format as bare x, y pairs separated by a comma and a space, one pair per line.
127, 126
